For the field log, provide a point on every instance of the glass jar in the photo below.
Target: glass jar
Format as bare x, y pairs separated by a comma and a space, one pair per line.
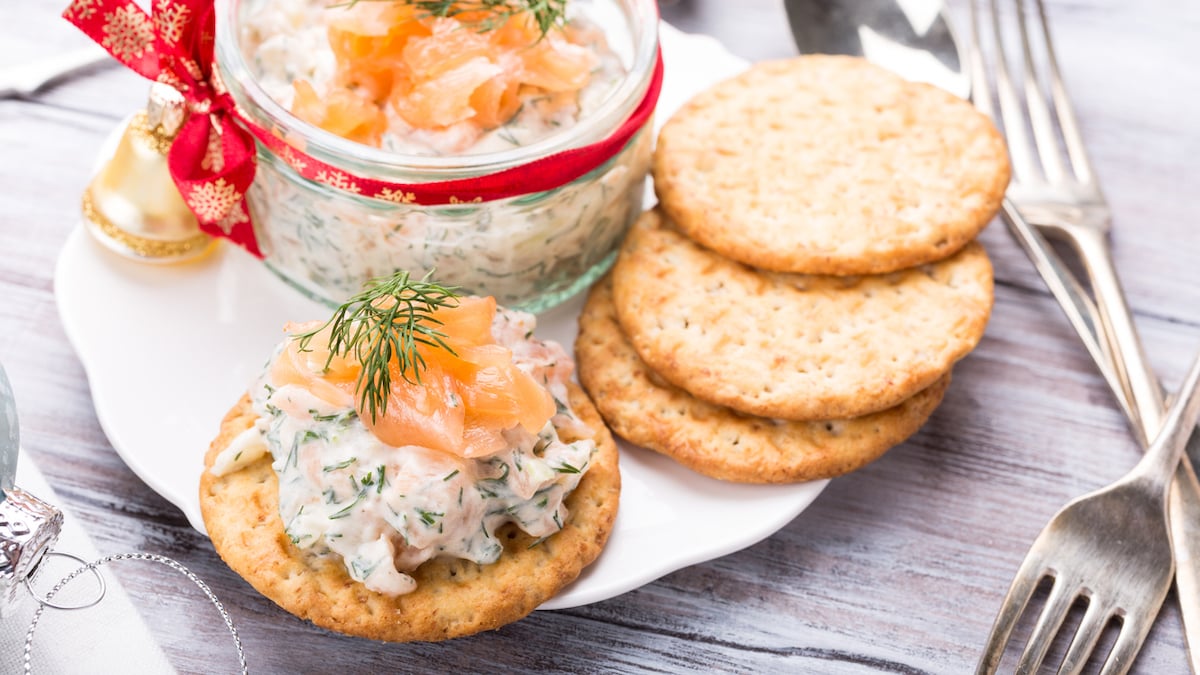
531, 251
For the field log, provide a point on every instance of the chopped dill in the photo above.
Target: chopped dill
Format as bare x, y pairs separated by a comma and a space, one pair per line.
339, 465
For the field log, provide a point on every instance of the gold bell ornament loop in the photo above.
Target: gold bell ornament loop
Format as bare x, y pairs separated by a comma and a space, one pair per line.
132, 206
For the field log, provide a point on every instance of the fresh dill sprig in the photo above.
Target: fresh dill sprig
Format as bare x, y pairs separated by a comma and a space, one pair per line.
386, 321
547, 14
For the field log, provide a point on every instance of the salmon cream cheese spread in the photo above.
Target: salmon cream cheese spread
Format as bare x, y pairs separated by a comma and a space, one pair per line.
470, 444
392, 75
423, 98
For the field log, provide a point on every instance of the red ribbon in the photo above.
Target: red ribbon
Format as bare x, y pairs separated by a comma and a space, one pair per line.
212, 159
546, 173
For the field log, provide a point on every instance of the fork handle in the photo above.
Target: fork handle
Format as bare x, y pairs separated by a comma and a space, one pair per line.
1132, 368
1074, 300
1141, 396
1162, 457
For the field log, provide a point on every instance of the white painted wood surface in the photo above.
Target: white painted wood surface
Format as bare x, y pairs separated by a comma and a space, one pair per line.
897, 568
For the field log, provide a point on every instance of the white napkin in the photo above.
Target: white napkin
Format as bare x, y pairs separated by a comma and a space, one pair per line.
109, 637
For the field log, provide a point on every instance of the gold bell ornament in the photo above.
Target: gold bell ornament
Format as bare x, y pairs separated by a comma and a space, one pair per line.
132, 206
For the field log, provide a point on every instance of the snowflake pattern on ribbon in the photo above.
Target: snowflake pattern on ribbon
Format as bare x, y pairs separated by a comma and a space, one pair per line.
128, 33
81, 10
236, 216
214, 155
216, 202
397, 196
171, 19
293, 158
339, 181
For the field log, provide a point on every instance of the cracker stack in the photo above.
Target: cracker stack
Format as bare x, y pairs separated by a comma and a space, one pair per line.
794, 306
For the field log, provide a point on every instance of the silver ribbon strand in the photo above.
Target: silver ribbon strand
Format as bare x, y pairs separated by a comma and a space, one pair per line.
44, 602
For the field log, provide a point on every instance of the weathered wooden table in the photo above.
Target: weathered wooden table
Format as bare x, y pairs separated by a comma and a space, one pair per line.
897, 568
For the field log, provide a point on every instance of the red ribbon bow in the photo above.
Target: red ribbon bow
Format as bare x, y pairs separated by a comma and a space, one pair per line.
212, 159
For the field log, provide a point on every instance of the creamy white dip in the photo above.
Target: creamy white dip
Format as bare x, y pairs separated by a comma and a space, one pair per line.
385, 510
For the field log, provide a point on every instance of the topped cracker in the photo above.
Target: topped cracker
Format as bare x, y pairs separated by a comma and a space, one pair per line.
453, 597
789, 346
829, 165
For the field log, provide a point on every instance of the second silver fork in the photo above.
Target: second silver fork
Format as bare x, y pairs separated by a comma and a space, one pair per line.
1066, 201
1110, 549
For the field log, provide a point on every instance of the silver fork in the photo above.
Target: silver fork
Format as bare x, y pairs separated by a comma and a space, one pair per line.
1066, 202
1110, 548
1070, 205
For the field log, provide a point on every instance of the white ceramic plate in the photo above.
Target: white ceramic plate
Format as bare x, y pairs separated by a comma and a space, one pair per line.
168, 350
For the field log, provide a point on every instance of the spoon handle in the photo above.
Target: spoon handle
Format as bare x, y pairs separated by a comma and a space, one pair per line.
25, 79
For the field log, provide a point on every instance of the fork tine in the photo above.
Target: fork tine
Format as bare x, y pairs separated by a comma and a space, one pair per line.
981, 94
1129, 641
1086, 636
1015, 600
1066, 112
1011, 114
1062, 596
1035, 102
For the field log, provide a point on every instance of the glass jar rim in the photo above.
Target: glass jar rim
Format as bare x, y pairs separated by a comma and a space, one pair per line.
642, 22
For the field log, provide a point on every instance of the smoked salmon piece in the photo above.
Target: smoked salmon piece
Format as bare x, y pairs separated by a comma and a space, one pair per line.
439, 72
496, 101
447, 46
467, 396
446, 99
556, 65
341, 112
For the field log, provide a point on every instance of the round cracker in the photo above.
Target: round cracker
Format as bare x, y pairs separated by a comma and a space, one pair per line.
792, 346
714, 440
830, 165
453, 597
